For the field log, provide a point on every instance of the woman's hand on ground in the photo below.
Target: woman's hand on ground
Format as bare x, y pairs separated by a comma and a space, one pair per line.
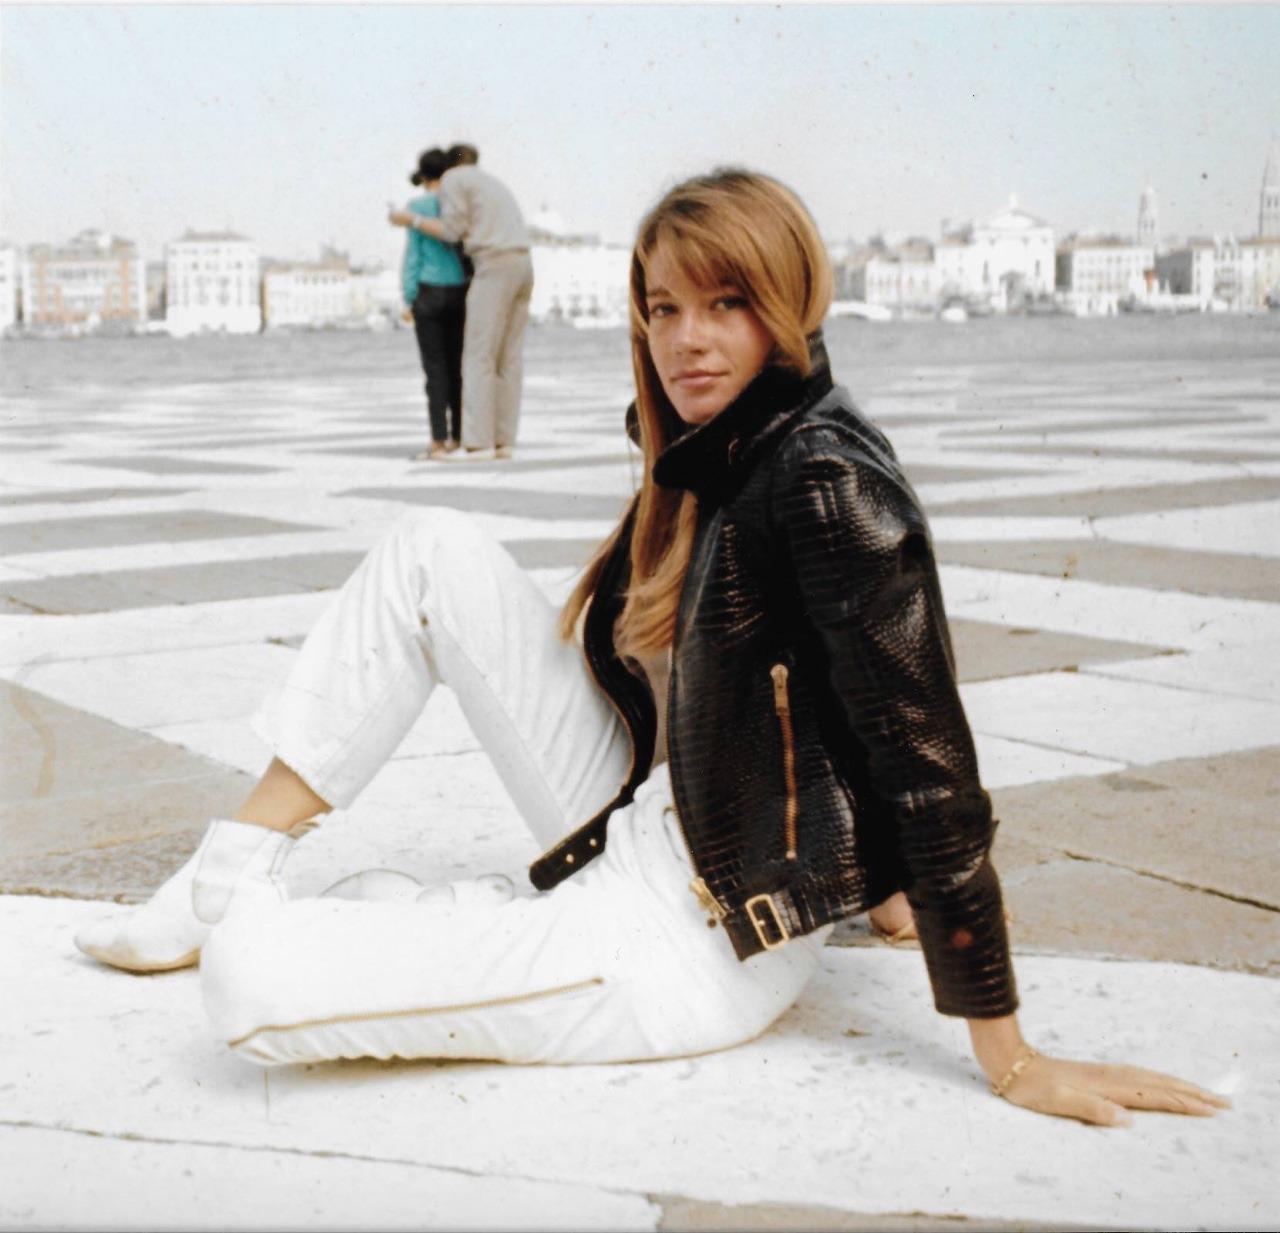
1102, 1094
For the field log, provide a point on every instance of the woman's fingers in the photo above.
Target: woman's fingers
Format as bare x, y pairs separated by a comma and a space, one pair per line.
1137, 1088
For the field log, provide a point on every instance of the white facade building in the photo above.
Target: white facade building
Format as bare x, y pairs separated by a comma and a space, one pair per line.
307, 293
8, 286
904, 277
1190, 270
95, 280
1258, 281
1269, 198
376, 294
1004, 258
1095, 274
579, 280
212, 283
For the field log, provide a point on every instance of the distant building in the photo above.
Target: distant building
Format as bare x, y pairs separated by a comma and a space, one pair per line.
94, 280
1259, 275
8, 286
1094, 273
307, 293
1190, 269
1005, 258
156, 273
1269, 198
212, 283
1147, 223
375, 294
903, 277
576, 278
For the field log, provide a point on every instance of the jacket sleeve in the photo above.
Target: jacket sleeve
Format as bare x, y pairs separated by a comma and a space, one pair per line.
859, 547
409, 265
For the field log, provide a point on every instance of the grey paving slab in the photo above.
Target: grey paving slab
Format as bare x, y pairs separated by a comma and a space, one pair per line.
1177, 821
986, 651
82, 496
1062, 427
551, 553
91, 808
1140, 565
681, 1215
522, 502
75, 593
936, 473
174, 466
116, 530
1114, 501
1152, 453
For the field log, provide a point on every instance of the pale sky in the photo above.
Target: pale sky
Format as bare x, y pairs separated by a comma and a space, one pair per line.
297, 124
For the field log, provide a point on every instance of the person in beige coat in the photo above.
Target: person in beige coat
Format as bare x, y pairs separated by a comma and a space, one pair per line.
480, 212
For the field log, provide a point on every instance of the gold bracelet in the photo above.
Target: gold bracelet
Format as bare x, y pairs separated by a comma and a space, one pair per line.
1023, 1060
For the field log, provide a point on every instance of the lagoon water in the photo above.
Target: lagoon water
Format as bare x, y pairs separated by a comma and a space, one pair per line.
859, 350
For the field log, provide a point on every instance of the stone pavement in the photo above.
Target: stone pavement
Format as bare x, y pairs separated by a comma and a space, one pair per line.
1109, 534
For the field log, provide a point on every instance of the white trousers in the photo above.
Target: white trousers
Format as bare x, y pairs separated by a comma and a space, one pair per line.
616, 963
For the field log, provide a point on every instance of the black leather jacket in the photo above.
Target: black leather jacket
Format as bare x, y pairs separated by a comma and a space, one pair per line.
820, 755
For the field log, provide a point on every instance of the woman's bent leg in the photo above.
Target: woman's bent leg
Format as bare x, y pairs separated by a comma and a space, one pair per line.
438, 600
614, 964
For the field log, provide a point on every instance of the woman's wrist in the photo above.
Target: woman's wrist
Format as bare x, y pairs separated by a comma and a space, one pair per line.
998, 1044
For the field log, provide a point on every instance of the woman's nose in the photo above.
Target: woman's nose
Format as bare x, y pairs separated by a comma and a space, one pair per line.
691, 331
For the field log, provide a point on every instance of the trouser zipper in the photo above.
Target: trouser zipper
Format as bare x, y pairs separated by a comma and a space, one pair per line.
782, 705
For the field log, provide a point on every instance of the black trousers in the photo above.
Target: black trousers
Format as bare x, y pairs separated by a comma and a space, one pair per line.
439, 314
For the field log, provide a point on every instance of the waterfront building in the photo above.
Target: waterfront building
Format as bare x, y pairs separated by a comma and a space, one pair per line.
376, 294
576, 277
1269, 198
1147, 219
212, 283
1095, 273
94, 280
8, 286
156, 274
902, 277
1259, 274
1190, 270
1006, 258
307, 293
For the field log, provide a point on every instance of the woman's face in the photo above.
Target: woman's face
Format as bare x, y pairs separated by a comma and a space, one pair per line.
706, 342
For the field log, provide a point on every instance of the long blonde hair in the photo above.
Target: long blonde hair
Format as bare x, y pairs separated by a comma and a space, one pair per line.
730, 227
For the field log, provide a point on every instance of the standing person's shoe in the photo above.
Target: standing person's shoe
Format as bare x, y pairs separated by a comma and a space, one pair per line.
452, 445
470, 455
504, 453
237, 865
433, 453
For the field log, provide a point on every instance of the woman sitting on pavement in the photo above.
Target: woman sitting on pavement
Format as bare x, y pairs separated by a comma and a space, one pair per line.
435, 296
762, 721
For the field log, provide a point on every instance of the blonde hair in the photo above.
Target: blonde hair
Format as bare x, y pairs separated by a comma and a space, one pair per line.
730, 227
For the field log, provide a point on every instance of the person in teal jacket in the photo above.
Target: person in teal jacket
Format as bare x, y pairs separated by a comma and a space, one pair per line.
435, 297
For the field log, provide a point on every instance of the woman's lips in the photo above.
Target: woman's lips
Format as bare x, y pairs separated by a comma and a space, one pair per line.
697, 379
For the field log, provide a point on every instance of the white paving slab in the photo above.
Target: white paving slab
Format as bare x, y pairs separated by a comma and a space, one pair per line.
1103, 610
1002, 763
1245, 672
170, 1185
1127, 721
794, 1117
1251, 528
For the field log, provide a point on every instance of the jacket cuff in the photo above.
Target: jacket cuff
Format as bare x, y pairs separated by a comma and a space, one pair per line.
966, 949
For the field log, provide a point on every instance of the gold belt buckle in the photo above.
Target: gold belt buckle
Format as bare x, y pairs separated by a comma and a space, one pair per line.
759, 923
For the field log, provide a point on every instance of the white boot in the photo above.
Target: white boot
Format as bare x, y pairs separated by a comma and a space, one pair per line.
235, 866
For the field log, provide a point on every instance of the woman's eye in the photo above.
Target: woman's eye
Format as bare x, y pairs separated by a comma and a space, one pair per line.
732, 301
661, 310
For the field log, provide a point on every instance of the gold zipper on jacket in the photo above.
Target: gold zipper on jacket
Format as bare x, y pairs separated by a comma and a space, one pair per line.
782, 705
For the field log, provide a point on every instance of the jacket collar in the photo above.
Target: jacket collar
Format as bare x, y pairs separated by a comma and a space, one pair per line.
702, 458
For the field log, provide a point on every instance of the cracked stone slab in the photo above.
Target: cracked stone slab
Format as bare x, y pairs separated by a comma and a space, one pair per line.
794, 1118
195, 1185
1208, 823
1101, 560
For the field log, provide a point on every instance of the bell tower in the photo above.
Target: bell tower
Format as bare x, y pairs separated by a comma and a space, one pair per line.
1147, 218
1269, 199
